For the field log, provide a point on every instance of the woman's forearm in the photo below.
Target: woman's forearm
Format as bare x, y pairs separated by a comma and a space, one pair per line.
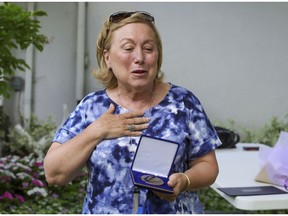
63, 162
203, 171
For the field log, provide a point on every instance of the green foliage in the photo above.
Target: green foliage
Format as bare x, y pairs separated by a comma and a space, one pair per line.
214, 204
37, 138
268, 134
69, 201
23, 188
18, 30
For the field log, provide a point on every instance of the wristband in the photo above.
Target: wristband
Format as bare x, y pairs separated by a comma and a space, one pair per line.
187, 182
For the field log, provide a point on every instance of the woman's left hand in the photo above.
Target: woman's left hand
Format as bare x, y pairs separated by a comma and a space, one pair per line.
178, 182
203, 171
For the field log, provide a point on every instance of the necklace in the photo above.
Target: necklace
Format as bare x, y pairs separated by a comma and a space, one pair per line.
122, 104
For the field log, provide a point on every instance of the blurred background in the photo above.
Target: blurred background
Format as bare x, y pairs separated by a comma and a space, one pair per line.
233, 56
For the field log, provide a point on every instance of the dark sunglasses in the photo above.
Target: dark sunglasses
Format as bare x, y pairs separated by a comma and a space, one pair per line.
121, 15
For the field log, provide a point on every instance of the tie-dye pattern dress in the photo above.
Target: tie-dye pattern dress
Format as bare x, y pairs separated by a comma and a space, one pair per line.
178, 117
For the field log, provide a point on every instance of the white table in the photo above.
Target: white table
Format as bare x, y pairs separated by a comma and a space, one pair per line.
238, 168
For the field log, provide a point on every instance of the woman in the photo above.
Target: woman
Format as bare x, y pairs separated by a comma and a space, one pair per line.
104, 129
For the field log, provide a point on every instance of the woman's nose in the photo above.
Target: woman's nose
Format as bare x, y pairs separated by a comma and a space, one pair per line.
139, 56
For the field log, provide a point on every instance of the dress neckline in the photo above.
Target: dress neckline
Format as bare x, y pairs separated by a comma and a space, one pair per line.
147, 110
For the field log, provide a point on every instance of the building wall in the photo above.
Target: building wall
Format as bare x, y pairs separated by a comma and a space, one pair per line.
233, 56
55, 67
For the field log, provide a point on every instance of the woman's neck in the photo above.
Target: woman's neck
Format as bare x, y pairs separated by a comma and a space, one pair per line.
134, 99
139, 100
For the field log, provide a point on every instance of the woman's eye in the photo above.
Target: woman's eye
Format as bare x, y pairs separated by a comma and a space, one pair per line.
128, 48
149, 49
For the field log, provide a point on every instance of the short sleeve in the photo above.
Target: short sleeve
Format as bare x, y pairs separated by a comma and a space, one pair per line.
203, 137
74, 124
88, 110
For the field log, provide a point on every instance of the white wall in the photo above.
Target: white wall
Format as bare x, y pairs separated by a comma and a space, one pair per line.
56, 68
233, 56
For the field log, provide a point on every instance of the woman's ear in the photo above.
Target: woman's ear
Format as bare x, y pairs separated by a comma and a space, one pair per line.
107, 58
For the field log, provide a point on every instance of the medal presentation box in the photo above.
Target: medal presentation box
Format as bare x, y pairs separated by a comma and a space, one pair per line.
152, 163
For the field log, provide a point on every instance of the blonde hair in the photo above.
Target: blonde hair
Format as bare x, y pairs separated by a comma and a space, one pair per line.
104, 74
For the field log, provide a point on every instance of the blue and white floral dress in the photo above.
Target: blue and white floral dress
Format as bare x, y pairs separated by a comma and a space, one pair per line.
178, 117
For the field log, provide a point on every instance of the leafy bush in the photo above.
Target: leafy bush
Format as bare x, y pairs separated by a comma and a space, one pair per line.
268, 134
213, 204
23, 188
21, 178
18, 29
37, 138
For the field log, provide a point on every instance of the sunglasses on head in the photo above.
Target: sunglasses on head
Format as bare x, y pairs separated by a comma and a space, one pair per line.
121, 15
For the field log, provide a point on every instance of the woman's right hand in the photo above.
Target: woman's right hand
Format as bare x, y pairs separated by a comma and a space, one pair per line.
110, 125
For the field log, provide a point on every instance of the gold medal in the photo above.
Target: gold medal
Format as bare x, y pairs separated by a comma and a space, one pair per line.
152, 180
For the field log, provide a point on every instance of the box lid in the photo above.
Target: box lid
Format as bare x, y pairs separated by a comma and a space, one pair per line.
152, 162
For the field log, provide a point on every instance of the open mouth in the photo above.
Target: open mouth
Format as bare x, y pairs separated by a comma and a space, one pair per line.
139, 72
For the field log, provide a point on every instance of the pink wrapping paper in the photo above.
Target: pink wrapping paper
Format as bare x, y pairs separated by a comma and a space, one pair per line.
274, 161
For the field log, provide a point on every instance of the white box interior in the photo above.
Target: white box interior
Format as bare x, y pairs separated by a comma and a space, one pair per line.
154, 156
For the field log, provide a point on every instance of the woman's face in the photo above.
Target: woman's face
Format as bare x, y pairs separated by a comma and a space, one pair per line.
133, 55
